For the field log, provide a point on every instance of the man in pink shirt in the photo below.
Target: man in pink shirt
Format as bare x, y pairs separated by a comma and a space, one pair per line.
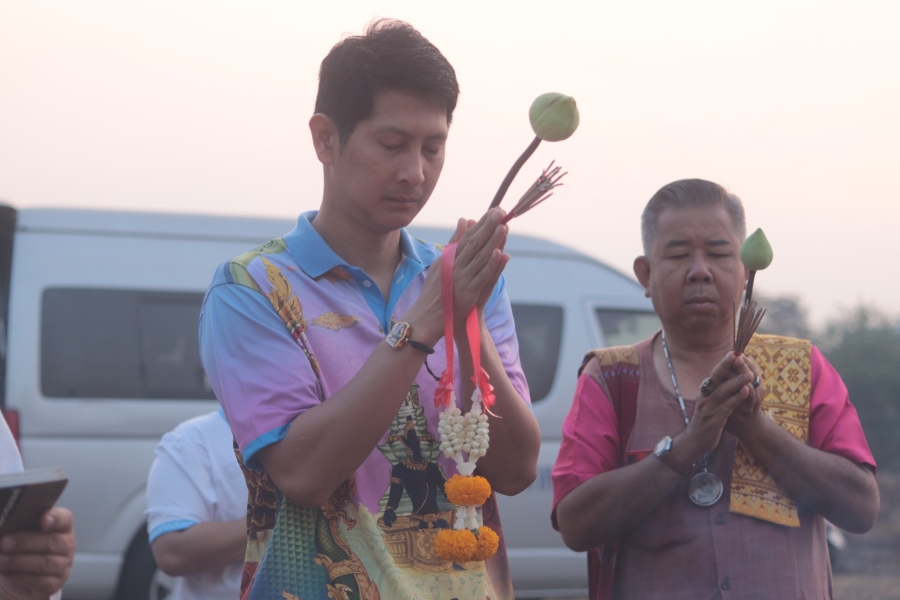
688, 472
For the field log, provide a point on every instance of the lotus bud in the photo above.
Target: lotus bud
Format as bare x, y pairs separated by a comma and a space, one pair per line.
756, 253
554, 117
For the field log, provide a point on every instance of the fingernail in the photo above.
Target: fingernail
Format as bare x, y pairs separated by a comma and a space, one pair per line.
7, 544
49, 522
496, 216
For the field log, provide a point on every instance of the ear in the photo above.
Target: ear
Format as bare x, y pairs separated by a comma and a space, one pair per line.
326, 141
642, 272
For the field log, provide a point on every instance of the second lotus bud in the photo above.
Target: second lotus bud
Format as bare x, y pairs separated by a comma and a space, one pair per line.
756, 253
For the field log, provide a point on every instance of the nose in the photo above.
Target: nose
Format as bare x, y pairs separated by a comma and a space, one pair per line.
412, 170
699, 271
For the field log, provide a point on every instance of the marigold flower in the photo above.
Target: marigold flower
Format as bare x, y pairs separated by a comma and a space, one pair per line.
488, 542
467, 491
456, 545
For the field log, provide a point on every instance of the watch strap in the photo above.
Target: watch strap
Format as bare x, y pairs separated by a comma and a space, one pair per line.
670, 461
420, 346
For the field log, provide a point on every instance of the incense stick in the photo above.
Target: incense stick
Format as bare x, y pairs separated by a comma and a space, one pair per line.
539, 191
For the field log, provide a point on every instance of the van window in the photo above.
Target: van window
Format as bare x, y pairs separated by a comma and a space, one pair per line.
623, 327
102, 343
539, 329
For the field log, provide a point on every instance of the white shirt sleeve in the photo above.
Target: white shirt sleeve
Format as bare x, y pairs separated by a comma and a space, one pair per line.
10, 459
180, 489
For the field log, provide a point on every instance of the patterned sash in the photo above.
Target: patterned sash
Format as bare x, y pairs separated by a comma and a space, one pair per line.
785, 363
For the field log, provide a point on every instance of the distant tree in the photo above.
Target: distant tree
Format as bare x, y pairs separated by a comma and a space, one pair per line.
785, 315
864, 347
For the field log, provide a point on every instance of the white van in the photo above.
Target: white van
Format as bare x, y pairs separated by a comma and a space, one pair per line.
100, 309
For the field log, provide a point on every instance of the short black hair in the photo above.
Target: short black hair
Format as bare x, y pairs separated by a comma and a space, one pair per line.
390, 55
690, 193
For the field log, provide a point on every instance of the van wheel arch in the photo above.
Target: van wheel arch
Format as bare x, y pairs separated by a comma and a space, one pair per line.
140, 578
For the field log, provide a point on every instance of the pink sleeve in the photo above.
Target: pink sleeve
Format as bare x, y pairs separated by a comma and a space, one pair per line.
590, 443
833, 423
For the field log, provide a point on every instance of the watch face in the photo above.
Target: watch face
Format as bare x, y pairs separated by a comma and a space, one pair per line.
397, 334
662, 446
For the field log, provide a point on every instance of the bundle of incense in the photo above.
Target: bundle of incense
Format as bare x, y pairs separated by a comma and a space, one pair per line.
554, 117
539, 191
747, 324
756, 255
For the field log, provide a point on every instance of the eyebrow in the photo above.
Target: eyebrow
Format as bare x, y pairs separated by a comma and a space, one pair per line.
397, 130
681, 242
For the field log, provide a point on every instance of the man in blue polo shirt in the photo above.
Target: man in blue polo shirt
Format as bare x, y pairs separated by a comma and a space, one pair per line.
315, 345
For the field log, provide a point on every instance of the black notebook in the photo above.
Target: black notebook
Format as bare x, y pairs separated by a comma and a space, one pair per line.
25, 496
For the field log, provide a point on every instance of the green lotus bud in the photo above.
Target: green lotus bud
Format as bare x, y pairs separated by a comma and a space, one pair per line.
756, 253
554, 117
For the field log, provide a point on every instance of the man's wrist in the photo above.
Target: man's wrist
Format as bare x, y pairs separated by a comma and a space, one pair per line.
685, 451
754, 430
422, 333
663, 451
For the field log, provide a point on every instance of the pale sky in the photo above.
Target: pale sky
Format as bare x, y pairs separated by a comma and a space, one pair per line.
202, 105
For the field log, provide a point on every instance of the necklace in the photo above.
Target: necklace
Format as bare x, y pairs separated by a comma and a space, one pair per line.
704, 488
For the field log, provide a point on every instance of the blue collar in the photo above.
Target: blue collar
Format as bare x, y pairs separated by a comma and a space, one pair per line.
316, 257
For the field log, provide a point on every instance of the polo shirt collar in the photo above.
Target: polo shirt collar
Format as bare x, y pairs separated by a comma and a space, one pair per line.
316, 257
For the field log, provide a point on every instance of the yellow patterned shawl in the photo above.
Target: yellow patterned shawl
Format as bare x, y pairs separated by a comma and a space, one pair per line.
785, 363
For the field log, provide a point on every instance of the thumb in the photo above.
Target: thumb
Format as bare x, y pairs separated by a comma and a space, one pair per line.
57, 520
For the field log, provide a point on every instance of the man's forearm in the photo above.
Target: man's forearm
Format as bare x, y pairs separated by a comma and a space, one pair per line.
328, 442
203, 547
607, 505
841, 491
511, 462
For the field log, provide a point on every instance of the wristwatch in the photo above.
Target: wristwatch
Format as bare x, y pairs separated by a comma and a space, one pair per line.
398, 335
663, 452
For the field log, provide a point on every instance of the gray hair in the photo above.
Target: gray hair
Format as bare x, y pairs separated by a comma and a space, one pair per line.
690, 193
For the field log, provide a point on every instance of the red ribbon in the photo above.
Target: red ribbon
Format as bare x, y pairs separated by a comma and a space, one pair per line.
473, 331
445, 385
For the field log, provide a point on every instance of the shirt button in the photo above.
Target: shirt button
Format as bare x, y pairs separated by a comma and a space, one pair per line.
726, 585
720, 519
367, 283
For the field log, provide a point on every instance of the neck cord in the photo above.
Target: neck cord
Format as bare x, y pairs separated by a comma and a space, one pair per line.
674, 381
704, 461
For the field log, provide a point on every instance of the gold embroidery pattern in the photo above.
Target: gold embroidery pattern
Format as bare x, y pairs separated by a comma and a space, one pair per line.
785, 363
288, 307
335, 322
617, 355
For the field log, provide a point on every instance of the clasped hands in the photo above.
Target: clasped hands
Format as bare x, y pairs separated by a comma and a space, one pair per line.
734, 405
479, 263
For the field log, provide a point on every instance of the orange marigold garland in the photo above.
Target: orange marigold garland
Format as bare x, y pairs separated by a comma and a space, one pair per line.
473, 490
488, 542
464, 438
458, 545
